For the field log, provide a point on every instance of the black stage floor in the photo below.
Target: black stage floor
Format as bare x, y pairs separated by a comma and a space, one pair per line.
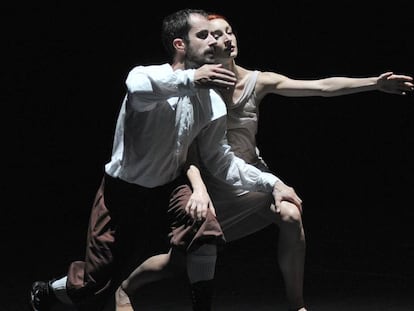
340, 275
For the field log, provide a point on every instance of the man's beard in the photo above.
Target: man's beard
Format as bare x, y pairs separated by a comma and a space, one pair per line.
193, 61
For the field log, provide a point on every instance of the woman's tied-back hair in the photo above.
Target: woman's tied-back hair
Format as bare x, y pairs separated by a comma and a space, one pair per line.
216, 16
176, 25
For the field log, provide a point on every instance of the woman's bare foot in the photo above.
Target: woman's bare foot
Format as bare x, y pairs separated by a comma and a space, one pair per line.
122, 301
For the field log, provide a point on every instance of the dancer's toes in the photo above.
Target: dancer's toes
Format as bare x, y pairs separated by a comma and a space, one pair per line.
123, 303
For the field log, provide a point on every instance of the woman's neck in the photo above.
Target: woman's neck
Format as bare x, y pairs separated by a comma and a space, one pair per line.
227, 94
231, 65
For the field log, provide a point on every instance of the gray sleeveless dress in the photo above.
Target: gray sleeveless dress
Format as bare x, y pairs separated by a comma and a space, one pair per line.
241, 213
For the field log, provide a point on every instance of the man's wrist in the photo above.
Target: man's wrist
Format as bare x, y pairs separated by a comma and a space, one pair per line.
277, 183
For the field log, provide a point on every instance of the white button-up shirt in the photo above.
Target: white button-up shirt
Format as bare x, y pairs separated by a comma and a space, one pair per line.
162, 113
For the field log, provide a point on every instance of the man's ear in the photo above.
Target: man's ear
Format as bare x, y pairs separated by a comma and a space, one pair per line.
179, 45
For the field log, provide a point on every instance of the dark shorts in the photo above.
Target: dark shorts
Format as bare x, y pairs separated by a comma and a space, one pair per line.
186, 233
128, 224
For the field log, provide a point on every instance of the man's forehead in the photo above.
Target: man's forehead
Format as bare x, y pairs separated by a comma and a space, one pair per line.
199, 23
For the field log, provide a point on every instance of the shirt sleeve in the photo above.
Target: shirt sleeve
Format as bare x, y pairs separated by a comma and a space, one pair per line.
220, 161
149, 85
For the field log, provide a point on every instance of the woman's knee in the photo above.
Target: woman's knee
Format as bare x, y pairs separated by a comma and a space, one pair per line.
289, 213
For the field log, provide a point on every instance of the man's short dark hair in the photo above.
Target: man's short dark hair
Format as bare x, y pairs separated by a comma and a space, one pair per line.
176, 25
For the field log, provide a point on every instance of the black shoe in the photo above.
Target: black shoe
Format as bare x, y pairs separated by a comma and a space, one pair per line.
41, 296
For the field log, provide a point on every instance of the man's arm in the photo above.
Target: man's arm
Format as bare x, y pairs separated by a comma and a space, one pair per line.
217, 157
149, 85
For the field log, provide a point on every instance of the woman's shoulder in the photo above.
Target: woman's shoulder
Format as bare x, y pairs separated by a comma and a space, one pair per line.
243, 71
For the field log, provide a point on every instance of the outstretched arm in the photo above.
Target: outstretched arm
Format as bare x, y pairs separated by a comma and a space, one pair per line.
269, 82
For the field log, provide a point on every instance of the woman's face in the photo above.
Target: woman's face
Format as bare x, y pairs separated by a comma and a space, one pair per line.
226, 49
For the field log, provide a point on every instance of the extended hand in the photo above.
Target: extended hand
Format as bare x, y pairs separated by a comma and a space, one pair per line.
395, 84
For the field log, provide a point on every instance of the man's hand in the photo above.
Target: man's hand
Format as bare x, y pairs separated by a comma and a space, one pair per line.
214, 76
283, 192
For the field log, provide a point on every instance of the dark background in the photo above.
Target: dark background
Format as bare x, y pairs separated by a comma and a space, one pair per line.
349, 157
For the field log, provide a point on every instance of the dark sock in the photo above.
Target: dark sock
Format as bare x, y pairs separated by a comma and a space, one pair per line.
202, 295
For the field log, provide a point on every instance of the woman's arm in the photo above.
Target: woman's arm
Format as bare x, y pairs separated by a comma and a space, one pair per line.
270, 82
200, 201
